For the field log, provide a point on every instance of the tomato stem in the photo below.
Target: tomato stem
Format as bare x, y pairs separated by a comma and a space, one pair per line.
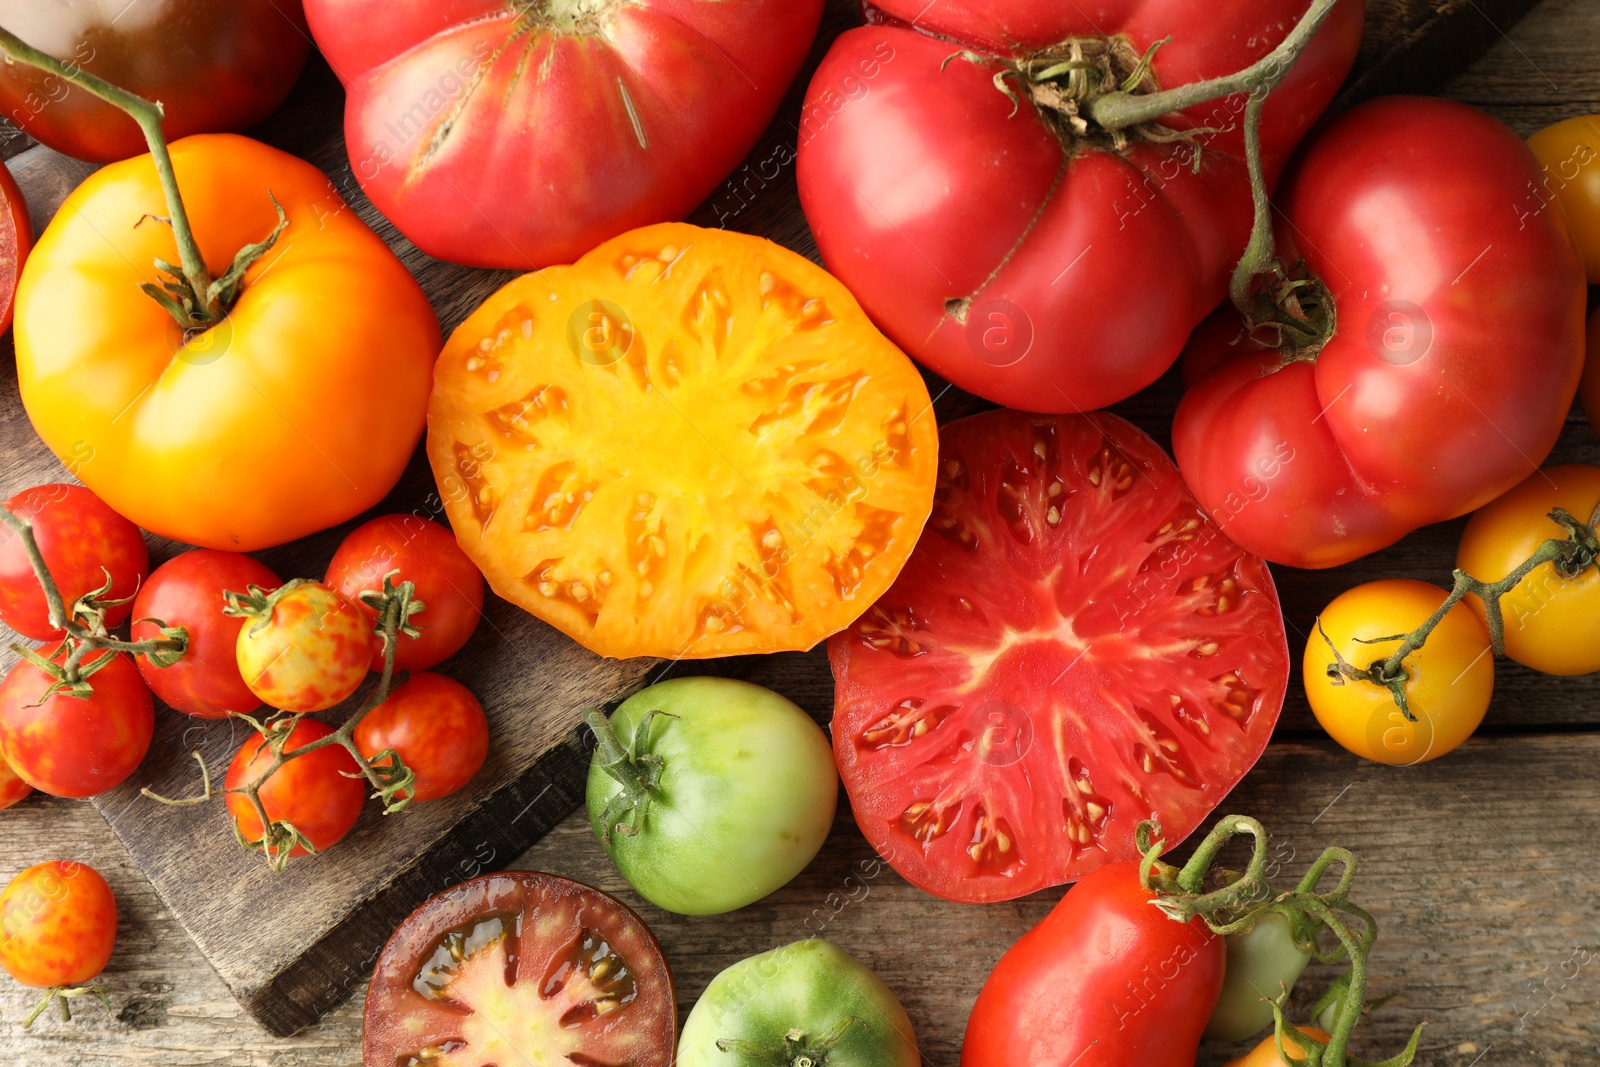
637, 772
63, 996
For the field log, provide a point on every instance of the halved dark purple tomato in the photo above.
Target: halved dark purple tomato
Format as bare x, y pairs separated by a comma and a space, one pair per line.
1073, 647
520, 968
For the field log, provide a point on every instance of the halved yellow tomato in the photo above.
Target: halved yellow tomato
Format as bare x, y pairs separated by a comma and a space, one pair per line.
690, 443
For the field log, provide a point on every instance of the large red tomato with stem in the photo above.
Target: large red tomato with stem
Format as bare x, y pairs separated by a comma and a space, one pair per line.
521, 135
76, 746
1073, 647
1431, 371
16, 238
1031, 257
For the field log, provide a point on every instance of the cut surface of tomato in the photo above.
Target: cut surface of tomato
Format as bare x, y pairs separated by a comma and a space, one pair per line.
691, 443
520, 968
1073, 647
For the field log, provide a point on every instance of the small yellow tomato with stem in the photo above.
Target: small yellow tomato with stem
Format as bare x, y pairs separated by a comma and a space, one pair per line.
1446, 683
1266, 1053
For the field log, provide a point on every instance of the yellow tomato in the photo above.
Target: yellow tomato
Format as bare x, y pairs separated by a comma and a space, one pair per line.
1266, 1053
1448, 680
1552, 623
1570, 152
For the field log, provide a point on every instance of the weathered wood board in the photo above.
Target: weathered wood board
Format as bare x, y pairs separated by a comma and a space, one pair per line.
290, 947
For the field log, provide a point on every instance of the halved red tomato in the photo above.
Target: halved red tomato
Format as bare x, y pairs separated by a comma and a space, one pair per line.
1073, 647
520, 968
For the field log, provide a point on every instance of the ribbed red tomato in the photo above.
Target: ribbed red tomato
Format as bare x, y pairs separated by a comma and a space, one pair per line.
521, 135
1028, 262
1072, 648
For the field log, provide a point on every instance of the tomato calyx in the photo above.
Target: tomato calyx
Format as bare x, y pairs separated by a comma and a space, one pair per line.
578, 17
1290, 309
637, 771
63, 997
799, 1048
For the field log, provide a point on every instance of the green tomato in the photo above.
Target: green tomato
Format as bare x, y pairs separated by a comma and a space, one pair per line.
709, 793
1262, 962
807, 1004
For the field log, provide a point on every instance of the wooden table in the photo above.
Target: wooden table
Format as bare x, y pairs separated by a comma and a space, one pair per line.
1480, 867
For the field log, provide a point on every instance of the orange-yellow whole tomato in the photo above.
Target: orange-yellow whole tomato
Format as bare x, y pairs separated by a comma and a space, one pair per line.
60, 924
1266, 1053
297, 411
1570, 153
1589, 392
305, 648
1552, 622
1448, 680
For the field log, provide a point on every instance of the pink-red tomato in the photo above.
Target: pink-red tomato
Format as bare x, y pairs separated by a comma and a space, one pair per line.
187, 591
521, 135
320, 794
82, 541
71, 746
1457, 345
1030, 264
16, 239
426, 555
436, 726
60, 924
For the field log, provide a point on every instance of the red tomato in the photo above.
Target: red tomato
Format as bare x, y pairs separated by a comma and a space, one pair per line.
425, 554
520, 135
438, 728
1459, 340
1106, 980
1032, 266
60, 923
16, 238
1071, 648
81, 540
71, 746
1591, 374
306, 649
187, 591
13, 789
313, 793
214, 65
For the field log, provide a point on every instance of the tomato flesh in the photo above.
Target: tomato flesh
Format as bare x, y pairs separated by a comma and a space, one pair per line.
1071, 649
520, 968
16, 238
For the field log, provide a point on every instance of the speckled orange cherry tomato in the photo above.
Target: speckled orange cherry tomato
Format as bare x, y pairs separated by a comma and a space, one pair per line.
71, 746
306, 648
320, 794
438, 728
13, 789
1266, 1053
59, 922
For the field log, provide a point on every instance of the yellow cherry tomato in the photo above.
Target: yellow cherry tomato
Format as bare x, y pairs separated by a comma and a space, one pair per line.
1552, 623
1589, 392
1570, 152
1448, 680
1266, 1053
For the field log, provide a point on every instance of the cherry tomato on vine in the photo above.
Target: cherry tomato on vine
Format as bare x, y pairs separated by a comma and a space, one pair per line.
314, 793
82, 540
187, 591
1266, 1053
13, 787
303, 647
60, 923
426, 555
1448, 680
1569, 151
71, 746
1262, 962
1552, 622
438, 729
16, 238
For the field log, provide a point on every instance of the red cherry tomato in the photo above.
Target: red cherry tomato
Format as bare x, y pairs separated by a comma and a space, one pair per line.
438, 728
187, 591
1458, 342
13, 788
16, 239
71, 746
307, 649
1106, 980
60, 923
81, 540
313, 793
1029, 264
425, 554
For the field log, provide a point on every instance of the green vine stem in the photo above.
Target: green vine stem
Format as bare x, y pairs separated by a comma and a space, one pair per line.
84, 626
1571, 556
1242, 900
189, 293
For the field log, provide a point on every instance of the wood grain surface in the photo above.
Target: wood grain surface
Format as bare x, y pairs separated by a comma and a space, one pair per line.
1476, 866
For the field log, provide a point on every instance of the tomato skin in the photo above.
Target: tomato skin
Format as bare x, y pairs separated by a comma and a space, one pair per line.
308, 653
1451, 678
1552, 624
1266, 1053
214, 65
923, 189
1105, 980
187, 591
1569, 152
16, 239
1316, 463
809, 986
311, 395
1262, 961
438, 728
81, 539
634, 118
72, 747
13, 788
745, 801
426, 554
313, 792
60, 923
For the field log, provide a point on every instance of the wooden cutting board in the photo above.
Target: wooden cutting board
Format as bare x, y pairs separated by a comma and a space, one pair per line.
291, 946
